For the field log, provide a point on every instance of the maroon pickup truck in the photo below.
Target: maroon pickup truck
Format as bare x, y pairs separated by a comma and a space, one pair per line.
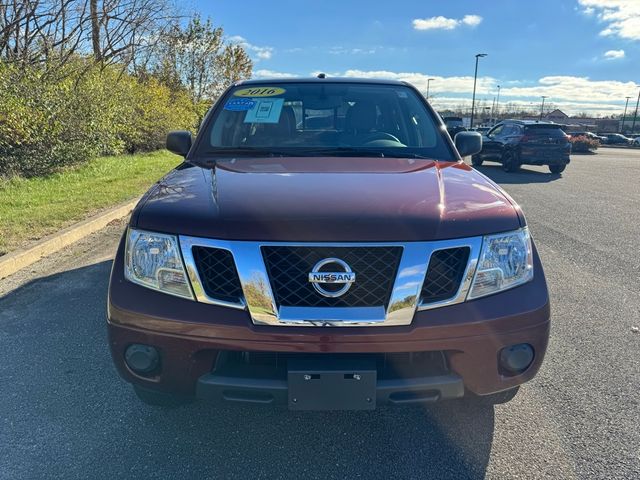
323, 246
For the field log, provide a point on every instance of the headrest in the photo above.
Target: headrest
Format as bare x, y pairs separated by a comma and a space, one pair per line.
361, 117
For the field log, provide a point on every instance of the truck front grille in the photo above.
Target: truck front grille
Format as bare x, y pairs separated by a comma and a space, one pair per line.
289, 267
444, 274
218, 273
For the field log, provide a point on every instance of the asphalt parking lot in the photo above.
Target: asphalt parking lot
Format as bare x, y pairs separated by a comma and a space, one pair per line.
64, 412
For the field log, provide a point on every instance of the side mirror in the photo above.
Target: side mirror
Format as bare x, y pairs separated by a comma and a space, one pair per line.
179, 142
468, 143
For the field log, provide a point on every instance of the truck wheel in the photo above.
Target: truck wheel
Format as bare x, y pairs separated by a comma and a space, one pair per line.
497, 398
159, 399
476, 161
510, 162
557, 168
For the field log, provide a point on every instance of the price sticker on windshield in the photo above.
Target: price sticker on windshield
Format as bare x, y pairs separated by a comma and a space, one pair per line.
259, 92
267, 110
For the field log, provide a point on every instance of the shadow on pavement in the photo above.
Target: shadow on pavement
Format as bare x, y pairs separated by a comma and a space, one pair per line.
524, 175
64, 412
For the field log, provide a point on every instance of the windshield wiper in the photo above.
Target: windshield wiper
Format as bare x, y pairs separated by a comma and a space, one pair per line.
307, 152
410, 155
247, 151
365, 152
344, 152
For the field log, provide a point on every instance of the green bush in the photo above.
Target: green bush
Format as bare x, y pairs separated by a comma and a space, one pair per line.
583, 144
47, 123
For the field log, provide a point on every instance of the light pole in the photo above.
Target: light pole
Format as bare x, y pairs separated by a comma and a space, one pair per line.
633, 125
428, 82
494, 107
542, 106
498, 103
475, 77
624, 116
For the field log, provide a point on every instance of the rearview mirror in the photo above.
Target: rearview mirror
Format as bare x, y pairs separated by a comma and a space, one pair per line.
468, 143
179, 142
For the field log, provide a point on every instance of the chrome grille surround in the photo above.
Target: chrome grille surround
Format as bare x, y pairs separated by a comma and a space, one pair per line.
260, 302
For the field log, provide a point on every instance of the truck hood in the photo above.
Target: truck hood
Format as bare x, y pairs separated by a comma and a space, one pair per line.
327, 200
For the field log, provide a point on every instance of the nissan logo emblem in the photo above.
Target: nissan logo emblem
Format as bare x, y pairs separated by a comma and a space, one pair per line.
341, 275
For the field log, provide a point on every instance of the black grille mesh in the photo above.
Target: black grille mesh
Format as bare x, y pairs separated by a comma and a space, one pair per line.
444, 274
289, 268
218, 273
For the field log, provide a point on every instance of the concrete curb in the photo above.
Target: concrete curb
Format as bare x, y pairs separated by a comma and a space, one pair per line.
14, 261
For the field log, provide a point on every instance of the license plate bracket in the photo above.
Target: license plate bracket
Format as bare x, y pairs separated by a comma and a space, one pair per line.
332, 383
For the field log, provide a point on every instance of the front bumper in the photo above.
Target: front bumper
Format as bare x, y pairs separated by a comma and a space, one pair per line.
190, 336
333, 389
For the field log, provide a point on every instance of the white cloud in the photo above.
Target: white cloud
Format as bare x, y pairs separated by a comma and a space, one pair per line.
444, 23
259, 53
352, 51
571, 94
462, 84
576, 89
472, 20
613, 54
264, 73
558, 88
621, 17
435, 23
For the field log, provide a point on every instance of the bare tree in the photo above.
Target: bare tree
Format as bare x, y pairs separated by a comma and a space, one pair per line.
95, 29
140, 36
39, 31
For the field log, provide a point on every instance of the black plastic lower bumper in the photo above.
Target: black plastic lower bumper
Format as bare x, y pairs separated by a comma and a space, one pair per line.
329, 384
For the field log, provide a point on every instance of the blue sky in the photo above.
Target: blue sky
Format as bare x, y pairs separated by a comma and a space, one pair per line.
583, 54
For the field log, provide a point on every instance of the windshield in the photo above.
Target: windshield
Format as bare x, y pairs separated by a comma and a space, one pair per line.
324, 119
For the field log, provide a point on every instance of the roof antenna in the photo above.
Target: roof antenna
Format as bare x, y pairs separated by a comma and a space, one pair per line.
322, 75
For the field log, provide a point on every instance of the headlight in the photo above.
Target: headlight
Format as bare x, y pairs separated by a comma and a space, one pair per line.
506, 261
153, 260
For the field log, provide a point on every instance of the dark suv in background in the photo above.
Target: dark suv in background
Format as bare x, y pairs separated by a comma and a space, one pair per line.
525, 142
454, 125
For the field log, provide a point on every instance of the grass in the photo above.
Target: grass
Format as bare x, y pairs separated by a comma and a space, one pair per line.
31, 208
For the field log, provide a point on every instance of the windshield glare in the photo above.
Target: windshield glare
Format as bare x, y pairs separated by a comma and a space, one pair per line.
330, 118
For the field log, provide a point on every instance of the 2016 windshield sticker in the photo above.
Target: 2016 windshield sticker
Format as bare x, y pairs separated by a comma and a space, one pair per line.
239, 104
265, 111
259, 92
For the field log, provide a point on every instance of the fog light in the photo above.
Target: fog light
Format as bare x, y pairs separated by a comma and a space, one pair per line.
516, 358
142, 359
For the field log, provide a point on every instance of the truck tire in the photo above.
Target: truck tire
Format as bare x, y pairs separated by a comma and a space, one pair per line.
557, 168
159, 399
476, 161
510, 162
